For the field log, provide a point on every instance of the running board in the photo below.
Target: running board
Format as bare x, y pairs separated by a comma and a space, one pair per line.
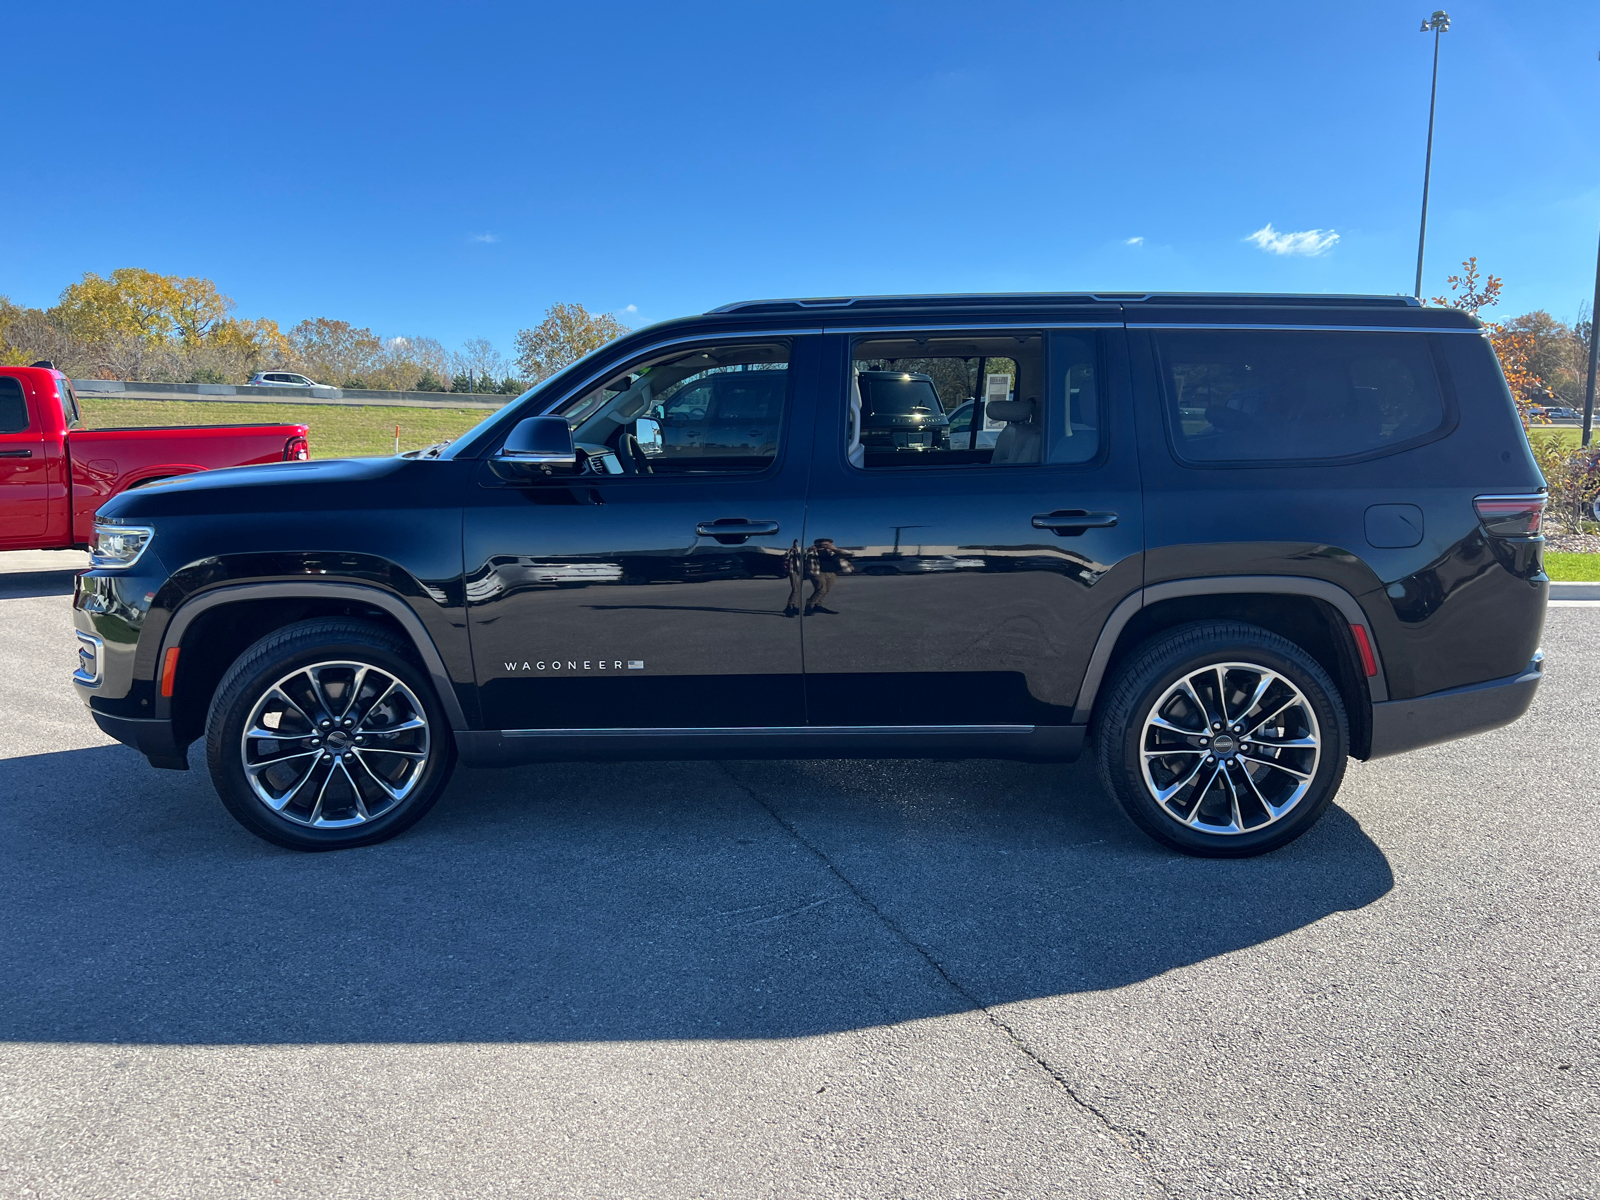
507, 747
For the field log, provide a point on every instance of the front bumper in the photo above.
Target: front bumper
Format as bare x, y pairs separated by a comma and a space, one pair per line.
151, 737
1401, 725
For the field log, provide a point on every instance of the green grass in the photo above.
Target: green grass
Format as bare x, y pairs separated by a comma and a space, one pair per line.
1570, 434
337, 430
1572, 568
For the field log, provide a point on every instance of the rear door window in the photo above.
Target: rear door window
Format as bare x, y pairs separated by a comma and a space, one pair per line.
13, 406
950, 399
1291, 395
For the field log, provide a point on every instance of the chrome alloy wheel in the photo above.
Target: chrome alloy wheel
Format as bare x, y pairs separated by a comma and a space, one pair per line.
1230, 748
335, 744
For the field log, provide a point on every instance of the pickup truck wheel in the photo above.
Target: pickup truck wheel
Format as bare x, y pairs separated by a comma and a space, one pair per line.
325, 735
1222, 740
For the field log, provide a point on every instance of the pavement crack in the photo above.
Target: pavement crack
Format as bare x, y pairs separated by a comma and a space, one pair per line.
1132, 1140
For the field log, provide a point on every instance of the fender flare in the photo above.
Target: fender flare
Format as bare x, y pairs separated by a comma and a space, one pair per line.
390, 603
1220, 585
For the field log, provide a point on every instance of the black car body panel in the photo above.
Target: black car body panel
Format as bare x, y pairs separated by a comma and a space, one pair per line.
597, 617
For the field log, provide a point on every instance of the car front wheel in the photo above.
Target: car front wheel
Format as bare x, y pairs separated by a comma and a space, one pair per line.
1222, 739
326, 735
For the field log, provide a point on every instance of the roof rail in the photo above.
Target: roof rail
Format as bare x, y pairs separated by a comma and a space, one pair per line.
1037, 299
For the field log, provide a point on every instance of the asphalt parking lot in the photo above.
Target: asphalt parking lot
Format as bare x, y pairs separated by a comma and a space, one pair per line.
880, 979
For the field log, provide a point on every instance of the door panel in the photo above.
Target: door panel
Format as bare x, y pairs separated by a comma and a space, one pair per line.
25, 469
945, 604
600, 604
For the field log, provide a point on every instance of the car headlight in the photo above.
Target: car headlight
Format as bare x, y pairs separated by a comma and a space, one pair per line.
118, 545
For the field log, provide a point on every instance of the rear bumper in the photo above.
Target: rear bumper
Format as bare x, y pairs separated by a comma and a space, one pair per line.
1401, 725
151, 737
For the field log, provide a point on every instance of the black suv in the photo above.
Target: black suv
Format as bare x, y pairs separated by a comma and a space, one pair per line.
1227, 540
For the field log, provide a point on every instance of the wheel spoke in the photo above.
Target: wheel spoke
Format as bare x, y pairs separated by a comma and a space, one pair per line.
394, 794
355, 692
374, 706
1222, 695
1261, 690
283, 801
361, 804
1287, 704
1161, 722
1168, 793
386, 750
1205, 717
268, 763
1273, 811
1292, 744
1147, 753
1267, 762
1200, 797
1233, 796
399, 727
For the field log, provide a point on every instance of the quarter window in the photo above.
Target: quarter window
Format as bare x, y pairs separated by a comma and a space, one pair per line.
1265, 395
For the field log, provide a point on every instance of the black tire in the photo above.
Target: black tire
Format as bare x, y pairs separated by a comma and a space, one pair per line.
311, 659
1277, 767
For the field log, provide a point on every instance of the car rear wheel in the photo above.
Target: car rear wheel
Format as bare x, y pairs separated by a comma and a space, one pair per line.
326, 735
1222, 739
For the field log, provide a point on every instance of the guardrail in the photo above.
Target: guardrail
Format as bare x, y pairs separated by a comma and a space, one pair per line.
244, 394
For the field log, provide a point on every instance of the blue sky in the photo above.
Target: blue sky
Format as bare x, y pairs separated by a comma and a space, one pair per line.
451, 170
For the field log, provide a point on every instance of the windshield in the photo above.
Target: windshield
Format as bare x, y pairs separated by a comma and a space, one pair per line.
899, 396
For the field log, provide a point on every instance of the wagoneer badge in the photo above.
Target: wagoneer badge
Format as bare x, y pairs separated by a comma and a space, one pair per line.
577, 664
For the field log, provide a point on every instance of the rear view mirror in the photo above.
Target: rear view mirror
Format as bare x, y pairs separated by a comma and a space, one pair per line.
537, 448
648, 432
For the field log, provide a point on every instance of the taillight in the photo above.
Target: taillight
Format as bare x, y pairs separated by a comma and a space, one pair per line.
296, 449
1511, 516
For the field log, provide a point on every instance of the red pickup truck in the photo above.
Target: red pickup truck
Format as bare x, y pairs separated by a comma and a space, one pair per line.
54, 475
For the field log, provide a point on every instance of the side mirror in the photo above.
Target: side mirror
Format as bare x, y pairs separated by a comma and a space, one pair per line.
648, 432
537, 448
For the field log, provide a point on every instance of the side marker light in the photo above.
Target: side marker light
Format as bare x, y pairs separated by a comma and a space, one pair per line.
169, 672
1363, 646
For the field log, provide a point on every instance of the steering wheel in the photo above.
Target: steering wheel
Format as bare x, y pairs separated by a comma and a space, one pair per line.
632, 456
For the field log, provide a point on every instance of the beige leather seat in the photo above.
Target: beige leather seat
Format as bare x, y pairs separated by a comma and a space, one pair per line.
1022, 439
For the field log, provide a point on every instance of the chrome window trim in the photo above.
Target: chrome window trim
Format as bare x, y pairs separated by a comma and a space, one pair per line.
1305, 328
590, 380
969, 327
739, 335
765, 730
97, 650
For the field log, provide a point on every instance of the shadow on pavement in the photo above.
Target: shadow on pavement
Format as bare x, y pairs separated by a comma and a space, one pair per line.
612, 902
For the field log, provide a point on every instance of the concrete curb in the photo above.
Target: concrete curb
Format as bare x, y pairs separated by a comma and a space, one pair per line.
1575, 591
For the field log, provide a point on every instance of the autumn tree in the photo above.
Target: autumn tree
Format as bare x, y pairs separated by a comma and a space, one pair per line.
335, 352
1513, 346
567, 333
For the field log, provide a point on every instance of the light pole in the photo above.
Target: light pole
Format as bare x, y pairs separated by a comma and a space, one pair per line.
1438, 23
1594, 358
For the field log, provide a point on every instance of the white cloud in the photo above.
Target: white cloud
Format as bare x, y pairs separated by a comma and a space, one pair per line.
1138, 241
484, 237
632, 308
399, 343
1308, 242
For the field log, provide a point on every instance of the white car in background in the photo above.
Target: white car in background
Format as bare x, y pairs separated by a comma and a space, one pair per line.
280, 379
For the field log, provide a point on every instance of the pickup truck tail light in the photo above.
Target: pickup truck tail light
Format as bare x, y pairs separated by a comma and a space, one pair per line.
296, 449
1511, 516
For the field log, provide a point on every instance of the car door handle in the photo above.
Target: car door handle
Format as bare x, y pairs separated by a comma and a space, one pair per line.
16, 453
733, 531
1069, 522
